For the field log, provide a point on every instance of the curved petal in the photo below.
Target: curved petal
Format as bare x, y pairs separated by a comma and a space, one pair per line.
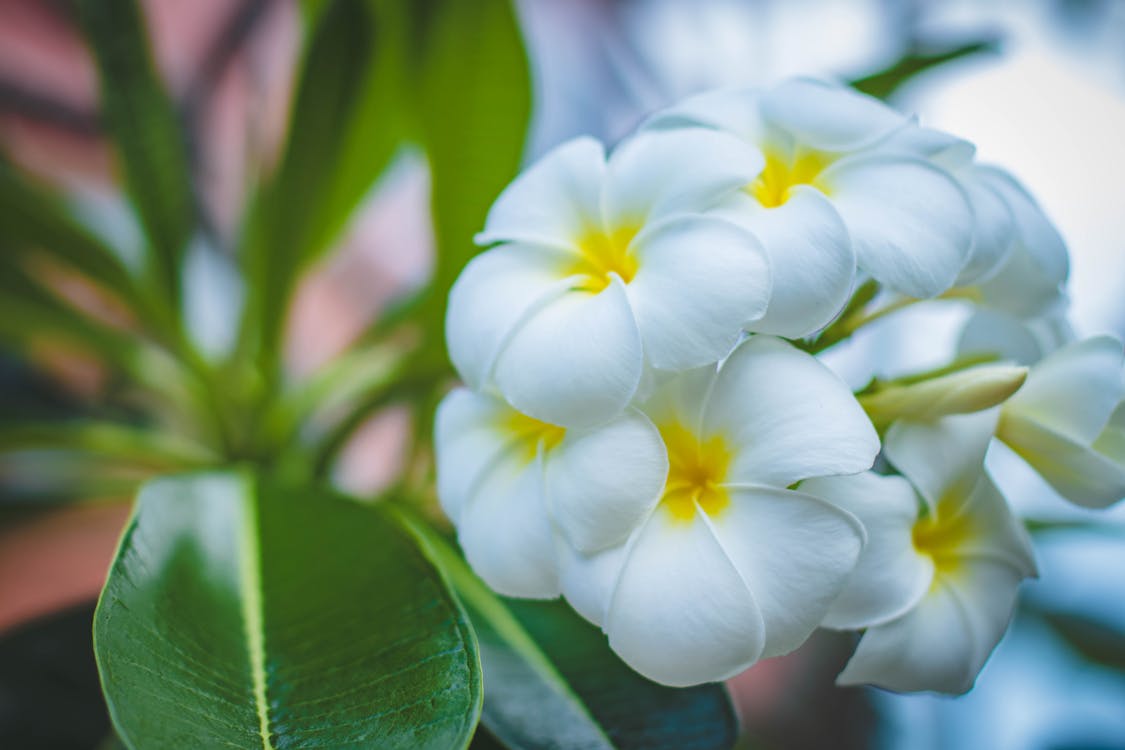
932, 647
588, 581
942, 458
699, 281
992, 532
681, 614
680, 399
795, 553
891, 576
1073, 390
829, 117
495, 292
1020, 288
576, 362
909, 220
735, 111
1076, 471
659, 173
602, 482
936, 146
1037, 235
467, 443
554, 201
786, 416
992, 332
505, 531
811, 258
994, 230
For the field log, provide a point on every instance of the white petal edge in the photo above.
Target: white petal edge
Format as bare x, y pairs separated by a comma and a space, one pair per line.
828, 117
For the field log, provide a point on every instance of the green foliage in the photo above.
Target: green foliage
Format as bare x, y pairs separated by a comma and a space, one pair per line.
551, 679
884, 83
244, 613
1095, 641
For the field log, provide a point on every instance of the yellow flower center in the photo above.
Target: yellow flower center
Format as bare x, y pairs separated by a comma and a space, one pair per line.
943, 540
774, 186
696, 472
528, 434
604, 253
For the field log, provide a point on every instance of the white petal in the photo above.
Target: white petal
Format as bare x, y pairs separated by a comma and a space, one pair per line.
680, 399
933, 647
811, 260
602, 482
1078, 472
588, 581
505, 531
795, 553
554, 201
467, 442
1111, 441
936, 146
576, 362
828, 117
660, 173
787, 416
491, 298
1074, 390
994, 533
1019, 287
734, 110
681, 614
994, 231
910, 221
944, 457
992, 332
699, 281
1036, 233
891, 576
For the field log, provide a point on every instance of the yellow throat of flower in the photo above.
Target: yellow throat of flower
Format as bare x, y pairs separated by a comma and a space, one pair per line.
783, 172
527, 434
696, 473
943, 539
604, 253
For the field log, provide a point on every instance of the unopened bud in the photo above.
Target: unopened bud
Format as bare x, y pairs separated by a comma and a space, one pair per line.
962, 392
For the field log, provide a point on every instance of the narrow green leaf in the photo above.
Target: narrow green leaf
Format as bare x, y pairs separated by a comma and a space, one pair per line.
551, 679
344, 128
146, 132
474, 104
109, 440
886, 82
242, 613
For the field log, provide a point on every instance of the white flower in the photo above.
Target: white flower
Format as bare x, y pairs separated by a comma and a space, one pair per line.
1018, 263
732, 566
1023, 341
501, 475
829, 195
936, 584
1067, 423
608, 269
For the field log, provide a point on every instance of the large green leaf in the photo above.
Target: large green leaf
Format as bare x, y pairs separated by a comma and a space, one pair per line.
146, 131
474, 102
242, 613
344, 128
551, 680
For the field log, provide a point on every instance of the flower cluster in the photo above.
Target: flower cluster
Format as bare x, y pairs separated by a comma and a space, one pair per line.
637, 435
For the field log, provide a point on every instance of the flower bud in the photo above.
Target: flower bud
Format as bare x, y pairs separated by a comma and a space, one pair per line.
963, 392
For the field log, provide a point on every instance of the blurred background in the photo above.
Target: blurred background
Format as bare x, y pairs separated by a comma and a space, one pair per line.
1039, 86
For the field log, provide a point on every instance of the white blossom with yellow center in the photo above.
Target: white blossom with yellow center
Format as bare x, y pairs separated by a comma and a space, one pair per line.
936, 584
729, 565
828, 196
605, 270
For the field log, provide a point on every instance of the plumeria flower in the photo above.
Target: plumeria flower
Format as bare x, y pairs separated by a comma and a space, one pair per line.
730, 565
502, 475
936, 584
1015, 339
1018, 263
606, 270
1067, 423
828, 196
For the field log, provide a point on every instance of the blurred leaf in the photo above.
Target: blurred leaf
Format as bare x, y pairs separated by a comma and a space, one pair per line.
243, 613
1094, 640
884, 83
146, 132
553, 682
474, 103
344, 128
142, 447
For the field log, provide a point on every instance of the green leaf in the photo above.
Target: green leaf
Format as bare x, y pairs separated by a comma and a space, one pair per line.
243, 613
344, 128
146, 131
1095, 641
474, 100
886, 82
552, 680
